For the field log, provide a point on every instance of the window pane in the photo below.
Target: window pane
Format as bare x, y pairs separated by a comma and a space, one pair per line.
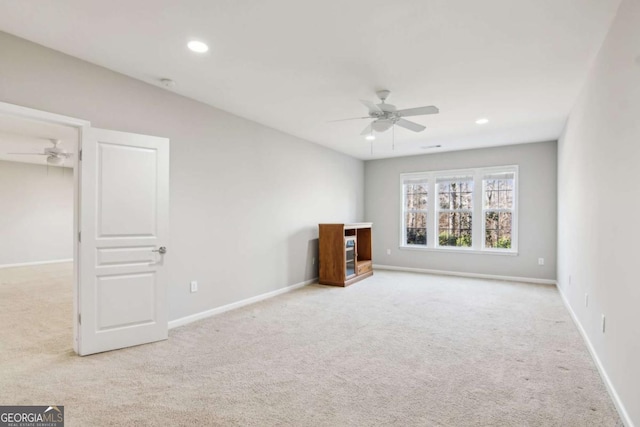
491, 199
444, 200
498, 193
416, 188
491, 239
508, 204
416, 228
498, 226
505, 184
445, 187
454, 197
456, 194
466, 201
416, 196
454, 229
504, 230
465, 186
505, 198
491, 220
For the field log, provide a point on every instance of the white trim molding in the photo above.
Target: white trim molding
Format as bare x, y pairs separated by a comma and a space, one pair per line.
218, 310
45, 116
27, 264
461, 274
624, 415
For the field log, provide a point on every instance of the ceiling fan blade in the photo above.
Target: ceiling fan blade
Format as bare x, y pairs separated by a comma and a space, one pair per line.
29, 154
344, 120
367, 130
373, 108
419, 111
410, 125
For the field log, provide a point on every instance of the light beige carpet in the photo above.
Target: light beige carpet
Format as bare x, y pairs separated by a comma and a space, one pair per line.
396, 349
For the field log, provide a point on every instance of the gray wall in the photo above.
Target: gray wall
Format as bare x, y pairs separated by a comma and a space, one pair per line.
599, 203
245, 199
537, 211
36, 213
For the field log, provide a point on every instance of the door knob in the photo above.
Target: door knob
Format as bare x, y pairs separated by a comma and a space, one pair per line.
162, 250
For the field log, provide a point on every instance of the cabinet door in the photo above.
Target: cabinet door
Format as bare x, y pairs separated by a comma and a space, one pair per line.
350, 256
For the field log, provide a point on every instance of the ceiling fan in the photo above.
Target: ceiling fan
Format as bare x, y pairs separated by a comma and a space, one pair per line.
386, 115
55, 155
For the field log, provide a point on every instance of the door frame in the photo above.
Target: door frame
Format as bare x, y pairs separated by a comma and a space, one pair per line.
80, 125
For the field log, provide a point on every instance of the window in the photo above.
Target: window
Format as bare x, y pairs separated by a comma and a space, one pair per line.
498, 209
455, 211
415, 211
463, 210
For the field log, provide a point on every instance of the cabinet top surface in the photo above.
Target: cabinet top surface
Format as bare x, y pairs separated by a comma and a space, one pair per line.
353, 225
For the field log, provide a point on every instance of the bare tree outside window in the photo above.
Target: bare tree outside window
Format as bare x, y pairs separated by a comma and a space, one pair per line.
415, 213
455, 213
498, 211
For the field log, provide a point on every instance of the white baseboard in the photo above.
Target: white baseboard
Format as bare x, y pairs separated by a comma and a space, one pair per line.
27, 264
472, 275
204, 314
624, 415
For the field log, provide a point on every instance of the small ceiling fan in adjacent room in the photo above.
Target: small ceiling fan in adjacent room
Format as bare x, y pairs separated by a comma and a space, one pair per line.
55, 155
386, 116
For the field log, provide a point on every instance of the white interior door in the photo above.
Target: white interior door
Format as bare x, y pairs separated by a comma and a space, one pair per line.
124, 227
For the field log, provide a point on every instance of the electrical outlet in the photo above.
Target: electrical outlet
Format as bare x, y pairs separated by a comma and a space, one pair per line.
540, 261
388, 251
603, 323
586, 300
194, 286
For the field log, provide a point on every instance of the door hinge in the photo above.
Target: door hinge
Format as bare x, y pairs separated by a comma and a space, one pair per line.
80, 155
79, 319
79, 236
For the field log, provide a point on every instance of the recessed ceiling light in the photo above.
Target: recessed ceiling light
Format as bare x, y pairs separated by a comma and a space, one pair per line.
370, 137
482, 121
197, 46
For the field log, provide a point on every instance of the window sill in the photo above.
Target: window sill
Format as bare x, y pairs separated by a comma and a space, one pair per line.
460, 250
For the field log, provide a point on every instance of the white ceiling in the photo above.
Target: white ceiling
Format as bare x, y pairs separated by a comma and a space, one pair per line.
294, 65
18, 135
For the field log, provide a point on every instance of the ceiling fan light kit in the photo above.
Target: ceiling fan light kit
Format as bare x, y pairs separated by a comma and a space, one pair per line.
55, 160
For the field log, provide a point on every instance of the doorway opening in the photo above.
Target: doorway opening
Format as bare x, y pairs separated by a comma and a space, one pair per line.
38, 171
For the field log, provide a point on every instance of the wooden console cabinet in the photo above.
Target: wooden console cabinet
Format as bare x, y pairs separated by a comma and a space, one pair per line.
344, 253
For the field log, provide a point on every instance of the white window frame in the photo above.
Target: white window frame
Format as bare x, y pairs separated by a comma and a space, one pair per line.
478, 221
513, 210
403, 211
439, 210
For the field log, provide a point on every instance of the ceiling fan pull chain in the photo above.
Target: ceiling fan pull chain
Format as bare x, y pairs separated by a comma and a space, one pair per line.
393, 137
